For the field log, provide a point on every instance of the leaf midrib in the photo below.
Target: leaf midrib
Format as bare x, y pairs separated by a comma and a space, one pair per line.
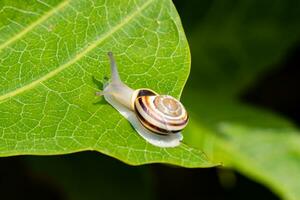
77, 57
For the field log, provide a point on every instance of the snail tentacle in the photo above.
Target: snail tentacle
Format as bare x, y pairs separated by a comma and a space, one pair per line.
100, 93
115, 77
116, 88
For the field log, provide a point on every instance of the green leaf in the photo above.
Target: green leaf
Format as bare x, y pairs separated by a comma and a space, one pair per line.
233, 45
53, 54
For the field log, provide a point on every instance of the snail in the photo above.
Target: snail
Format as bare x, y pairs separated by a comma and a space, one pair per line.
157, 118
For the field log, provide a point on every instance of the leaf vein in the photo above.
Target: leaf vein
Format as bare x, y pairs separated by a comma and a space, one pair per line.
77, 57
33, 25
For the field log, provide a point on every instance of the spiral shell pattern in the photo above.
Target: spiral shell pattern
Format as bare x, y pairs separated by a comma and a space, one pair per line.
162, 114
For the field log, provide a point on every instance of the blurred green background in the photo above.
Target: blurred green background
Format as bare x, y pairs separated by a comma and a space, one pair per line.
243, 53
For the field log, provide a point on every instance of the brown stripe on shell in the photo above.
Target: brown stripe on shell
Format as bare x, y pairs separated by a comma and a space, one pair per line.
153, 115
154, 128
145, 92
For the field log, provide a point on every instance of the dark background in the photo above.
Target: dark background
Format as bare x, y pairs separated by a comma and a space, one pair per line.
90, 175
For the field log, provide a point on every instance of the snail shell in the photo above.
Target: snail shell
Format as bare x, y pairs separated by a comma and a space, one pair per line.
157, 118
161, 114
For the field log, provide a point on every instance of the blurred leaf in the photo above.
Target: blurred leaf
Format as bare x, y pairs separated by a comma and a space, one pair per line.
53, 54
91, 176
256, 143
233, 45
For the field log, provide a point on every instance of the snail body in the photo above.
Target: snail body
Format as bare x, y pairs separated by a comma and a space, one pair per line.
157, 118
